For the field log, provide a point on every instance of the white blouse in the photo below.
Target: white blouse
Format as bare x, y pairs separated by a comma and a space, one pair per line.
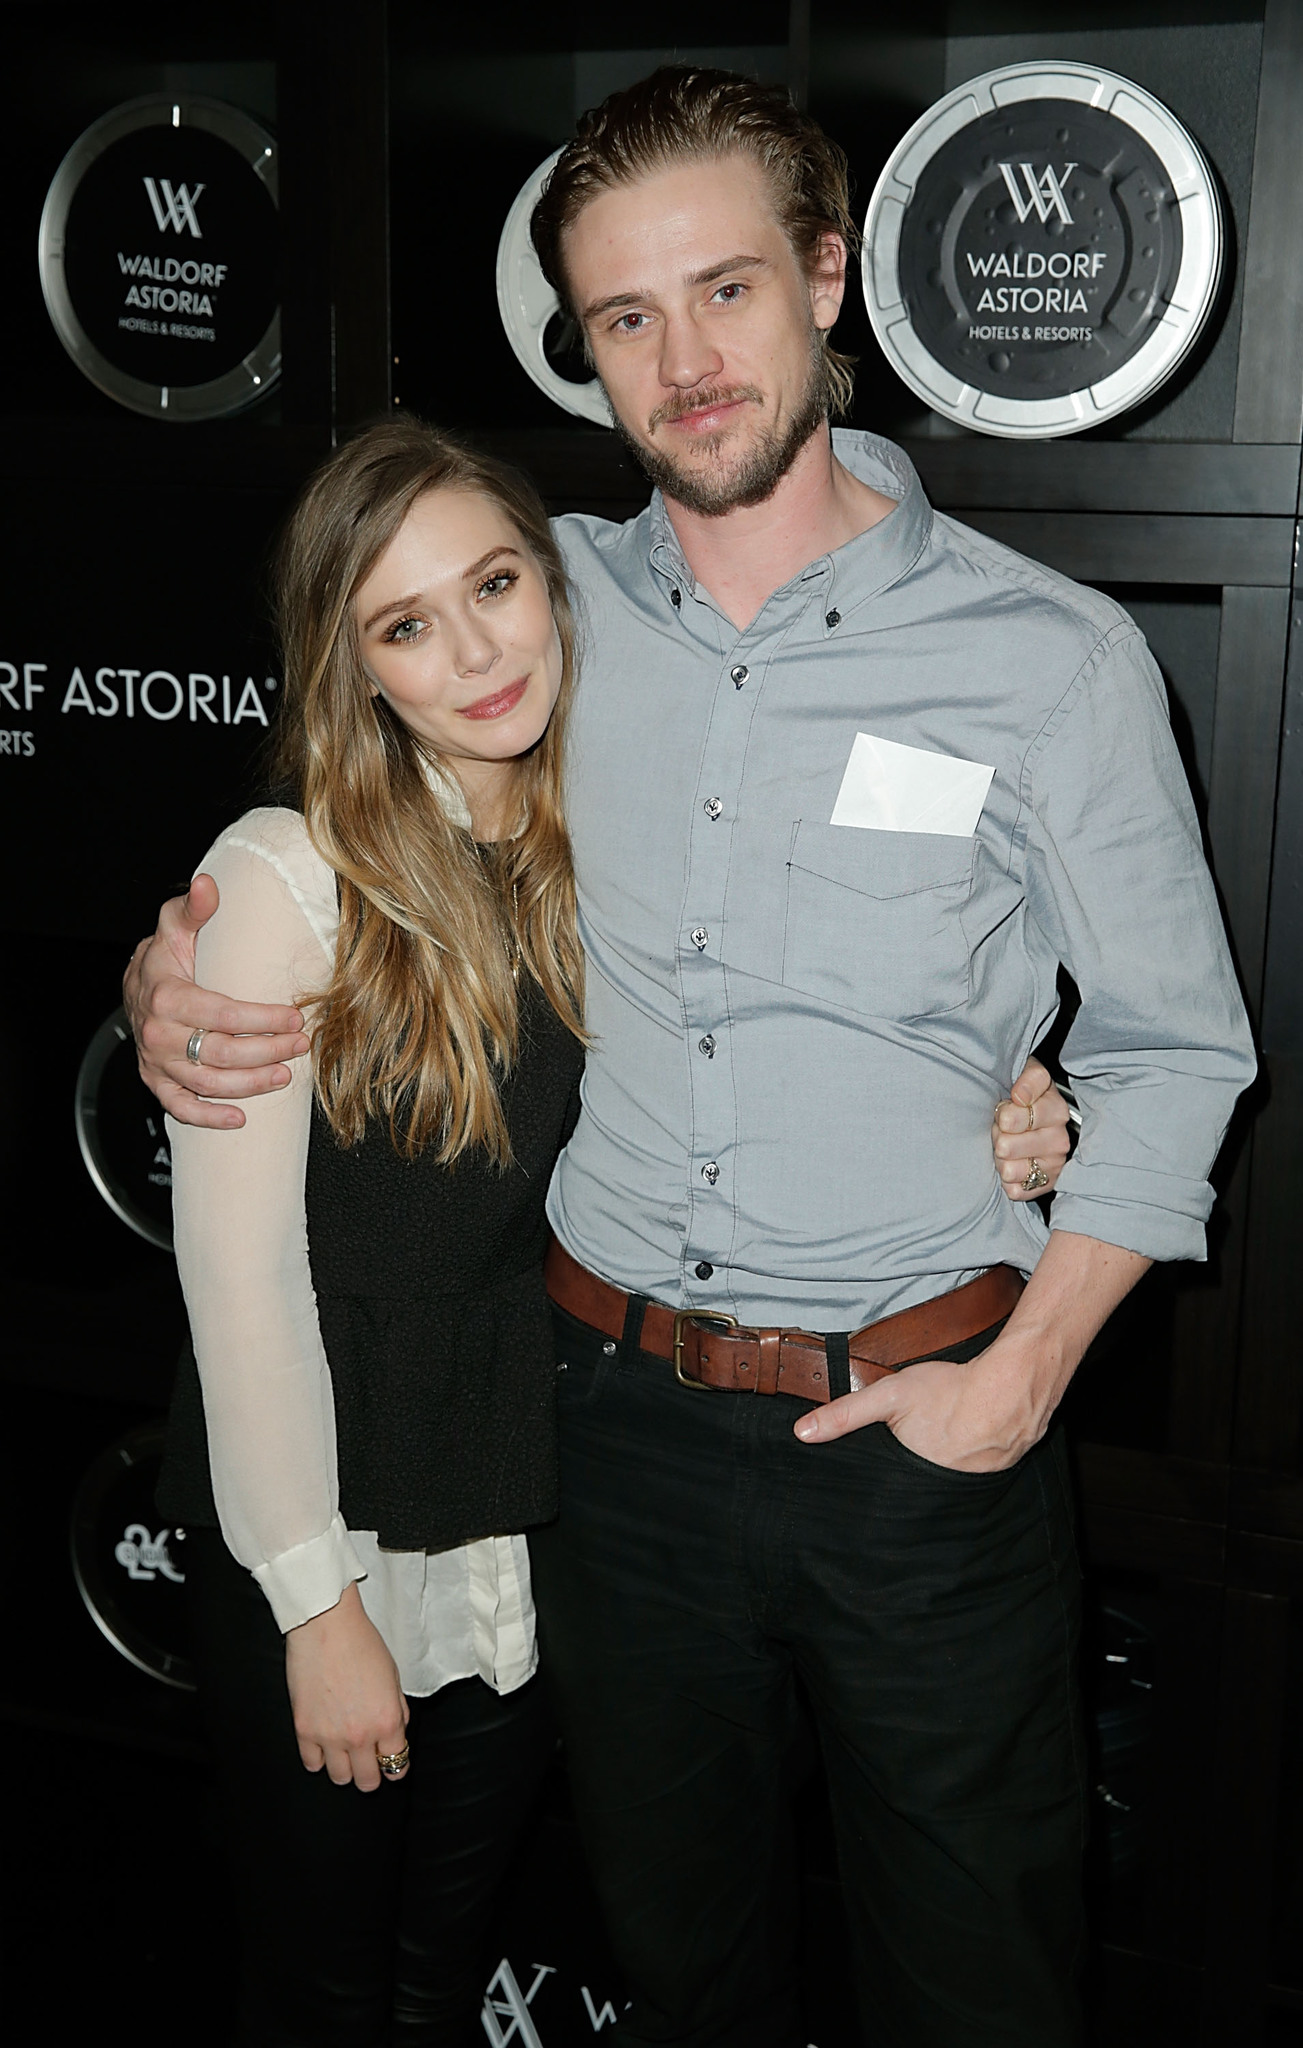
242, 1248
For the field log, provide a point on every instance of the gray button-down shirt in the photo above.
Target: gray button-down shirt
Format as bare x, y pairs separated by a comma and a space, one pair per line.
801, 1028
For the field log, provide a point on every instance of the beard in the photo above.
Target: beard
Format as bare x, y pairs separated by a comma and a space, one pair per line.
721, 484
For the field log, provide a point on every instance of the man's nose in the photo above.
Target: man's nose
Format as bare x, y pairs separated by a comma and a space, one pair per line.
688, 354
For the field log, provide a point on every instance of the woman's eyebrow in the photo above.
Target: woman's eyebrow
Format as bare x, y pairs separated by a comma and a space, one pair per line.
478, 568
402, 604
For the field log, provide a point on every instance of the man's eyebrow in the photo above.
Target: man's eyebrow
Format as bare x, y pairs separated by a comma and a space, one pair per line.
415, 597
718, 270
710, 275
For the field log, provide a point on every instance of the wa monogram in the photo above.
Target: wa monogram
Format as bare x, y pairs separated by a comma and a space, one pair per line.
1043, 194
174, 207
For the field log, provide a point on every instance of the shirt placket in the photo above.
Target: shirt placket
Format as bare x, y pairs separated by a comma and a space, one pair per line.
713, 1156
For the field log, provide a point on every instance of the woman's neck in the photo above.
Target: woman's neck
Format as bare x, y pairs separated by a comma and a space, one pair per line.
490, 791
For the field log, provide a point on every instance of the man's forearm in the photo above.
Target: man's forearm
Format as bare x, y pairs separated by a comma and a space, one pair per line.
986, 1414
1077, 1284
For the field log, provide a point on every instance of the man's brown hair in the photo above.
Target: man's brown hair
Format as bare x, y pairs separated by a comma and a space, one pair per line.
684, 113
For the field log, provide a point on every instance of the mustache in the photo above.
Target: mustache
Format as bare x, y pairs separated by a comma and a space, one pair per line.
682, 403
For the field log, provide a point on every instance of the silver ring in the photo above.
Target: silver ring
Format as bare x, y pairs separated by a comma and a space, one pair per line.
192, 1046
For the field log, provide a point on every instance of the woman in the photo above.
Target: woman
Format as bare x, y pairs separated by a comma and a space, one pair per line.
362, 1262
365, 1427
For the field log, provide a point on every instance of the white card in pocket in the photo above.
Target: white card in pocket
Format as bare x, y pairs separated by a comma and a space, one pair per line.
890, 788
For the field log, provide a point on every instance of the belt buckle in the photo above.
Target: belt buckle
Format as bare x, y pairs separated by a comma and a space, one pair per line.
696, 1315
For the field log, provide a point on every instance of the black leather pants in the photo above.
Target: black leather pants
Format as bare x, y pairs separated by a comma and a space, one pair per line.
365, 1916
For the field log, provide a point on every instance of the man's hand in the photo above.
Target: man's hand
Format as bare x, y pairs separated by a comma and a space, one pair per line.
1031, 1125
244, 1043
348, 1705
986, 1414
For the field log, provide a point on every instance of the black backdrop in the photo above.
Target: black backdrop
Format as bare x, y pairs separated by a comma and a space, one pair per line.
131, 544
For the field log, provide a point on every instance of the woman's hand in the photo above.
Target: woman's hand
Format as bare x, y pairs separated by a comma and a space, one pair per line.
1031, 1126
348, 1704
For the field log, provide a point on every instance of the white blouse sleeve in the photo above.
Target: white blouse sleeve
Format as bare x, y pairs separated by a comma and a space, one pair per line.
242, 1245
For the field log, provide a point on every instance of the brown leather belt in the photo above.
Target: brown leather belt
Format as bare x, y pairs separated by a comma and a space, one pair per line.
709, 1350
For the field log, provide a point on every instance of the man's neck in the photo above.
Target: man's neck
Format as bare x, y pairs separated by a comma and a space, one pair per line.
742, 557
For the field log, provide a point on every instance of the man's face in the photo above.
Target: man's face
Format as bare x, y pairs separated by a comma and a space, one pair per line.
704, 327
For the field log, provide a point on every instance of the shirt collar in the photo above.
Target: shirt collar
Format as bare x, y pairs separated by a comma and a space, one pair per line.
853, 574
447, 792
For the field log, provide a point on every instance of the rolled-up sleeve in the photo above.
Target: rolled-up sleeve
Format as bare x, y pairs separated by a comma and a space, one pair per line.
1116, 878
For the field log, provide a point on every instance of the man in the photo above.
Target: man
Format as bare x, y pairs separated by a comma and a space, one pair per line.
849, 784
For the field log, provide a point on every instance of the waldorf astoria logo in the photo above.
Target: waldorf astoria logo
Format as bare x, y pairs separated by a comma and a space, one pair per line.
1042, 250
158, 256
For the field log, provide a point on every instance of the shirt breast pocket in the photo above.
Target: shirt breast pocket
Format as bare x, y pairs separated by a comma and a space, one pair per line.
874, 919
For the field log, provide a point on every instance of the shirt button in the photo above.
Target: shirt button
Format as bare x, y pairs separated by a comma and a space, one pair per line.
832, 618
712, 807
676, 598
740, 674
704, 1270
700, 938
710, 1173
707, 1045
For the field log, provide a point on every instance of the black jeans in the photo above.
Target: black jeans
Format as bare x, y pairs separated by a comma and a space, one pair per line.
364, 1916
704, 1556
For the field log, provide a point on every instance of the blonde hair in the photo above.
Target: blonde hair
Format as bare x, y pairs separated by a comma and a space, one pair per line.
688, 114
419, 1023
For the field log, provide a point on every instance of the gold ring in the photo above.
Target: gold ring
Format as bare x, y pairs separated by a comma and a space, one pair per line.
1031, 1116
1037, 1178
393, 1765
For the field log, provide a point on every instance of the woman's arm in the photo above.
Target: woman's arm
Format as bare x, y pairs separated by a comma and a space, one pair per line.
242, 1251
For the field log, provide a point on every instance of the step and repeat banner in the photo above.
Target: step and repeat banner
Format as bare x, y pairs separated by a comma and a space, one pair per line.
1042, 252
137, 680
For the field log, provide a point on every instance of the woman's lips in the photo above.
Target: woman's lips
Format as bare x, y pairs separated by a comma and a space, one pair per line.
499, 702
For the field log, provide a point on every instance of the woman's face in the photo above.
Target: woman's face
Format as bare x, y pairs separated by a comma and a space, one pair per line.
457, 634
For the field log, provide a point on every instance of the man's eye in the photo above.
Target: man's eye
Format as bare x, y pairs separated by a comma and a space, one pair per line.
630, 323
730, 293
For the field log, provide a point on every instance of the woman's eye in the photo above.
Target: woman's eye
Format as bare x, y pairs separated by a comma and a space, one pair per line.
493, 586
406, 629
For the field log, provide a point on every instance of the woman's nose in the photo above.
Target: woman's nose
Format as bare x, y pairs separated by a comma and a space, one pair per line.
475, 650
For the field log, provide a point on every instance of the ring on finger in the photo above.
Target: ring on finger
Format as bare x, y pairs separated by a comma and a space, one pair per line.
394, 1766
1031, 1116
1037, 1178
193, 1044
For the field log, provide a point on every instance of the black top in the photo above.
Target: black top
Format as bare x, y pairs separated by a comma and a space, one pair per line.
429, 1285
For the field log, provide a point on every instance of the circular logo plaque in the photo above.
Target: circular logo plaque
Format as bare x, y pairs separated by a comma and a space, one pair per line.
123, 1139
129, 1571
1042, 250
159, 257
545, 345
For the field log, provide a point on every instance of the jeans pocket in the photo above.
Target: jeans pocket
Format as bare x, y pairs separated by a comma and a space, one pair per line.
950, 1474
583, 1363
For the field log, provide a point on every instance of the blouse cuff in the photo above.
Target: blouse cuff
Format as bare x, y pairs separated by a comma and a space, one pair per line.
310, 1578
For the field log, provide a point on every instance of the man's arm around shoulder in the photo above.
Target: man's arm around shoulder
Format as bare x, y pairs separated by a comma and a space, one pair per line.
244, 1045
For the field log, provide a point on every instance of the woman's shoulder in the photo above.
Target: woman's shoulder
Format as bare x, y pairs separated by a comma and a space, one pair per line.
276, 839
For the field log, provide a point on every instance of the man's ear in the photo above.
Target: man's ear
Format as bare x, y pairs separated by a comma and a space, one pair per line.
827, 277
